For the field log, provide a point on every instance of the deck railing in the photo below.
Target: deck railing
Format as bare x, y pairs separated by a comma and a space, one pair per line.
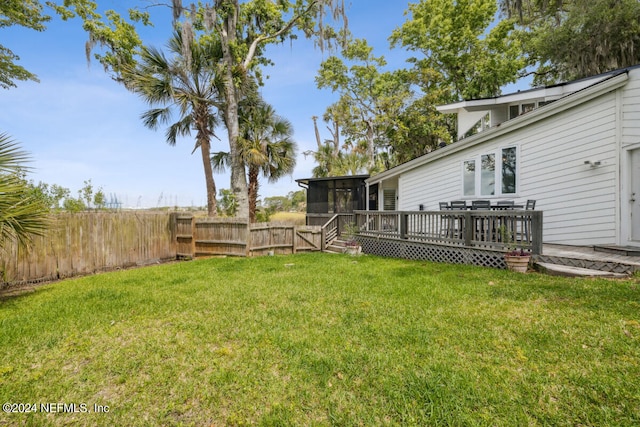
335, 227
501, 230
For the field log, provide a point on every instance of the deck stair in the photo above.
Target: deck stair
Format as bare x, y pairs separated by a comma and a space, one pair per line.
338, 246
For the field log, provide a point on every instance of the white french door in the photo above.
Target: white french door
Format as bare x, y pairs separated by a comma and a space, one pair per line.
634, 197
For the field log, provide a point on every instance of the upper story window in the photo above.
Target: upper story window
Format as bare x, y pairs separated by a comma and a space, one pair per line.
516, 110
491, 174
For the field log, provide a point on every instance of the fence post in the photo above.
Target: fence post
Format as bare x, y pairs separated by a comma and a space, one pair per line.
323, 237
173, 225
294, 246
193, 237
247, 248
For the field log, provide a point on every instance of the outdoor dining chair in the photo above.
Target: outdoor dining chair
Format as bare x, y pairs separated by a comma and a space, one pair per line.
458, 204
503, 223
481, 225
480, 204
505, 204
452, 223
445, 221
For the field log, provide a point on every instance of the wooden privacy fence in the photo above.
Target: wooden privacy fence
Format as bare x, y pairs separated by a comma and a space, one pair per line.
85, 243
197, 237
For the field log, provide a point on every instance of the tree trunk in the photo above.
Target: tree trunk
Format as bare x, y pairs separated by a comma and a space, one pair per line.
315, 126
205, 149
253, 192
238, 172
371, 152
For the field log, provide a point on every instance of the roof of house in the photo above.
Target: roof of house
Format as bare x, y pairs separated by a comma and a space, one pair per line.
306, 181
548, 93
599, 85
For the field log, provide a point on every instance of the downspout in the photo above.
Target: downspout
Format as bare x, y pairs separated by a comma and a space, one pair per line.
306, 216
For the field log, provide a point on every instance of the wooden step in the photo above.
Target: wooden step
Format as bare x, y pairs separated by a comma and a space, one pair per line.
338, 246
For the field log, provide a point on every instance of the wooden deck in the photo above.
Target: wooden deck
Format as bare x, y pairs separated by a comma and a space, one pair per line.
446, 236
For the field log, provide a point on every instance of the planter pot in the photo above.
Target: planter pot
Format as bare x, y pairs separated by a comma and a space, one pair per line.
518, 263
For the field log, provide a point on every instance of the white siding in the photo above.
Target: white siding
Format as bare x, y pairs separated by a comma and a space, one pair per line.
631, 110
579, 202
630, 139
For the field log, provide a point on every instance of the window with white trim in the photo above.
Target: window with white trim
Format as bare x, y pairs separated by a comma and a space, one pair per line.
491, 174
516, 110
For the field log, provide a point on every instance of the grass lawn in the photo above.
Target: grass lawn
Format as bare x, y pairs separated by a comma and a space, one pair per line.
321, 339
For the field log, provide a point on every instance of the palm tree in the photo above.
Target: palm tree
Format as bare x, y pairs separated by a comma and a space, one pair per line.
187, 84
326, 158
266, 146
22, 214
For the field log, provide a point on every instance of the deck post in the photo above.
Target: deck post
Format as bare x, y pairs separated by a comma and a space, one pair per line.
404, 223
536, 229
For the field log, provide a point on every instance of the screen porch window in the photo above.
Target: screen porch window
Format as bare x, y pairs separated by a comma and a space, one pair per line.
491, 174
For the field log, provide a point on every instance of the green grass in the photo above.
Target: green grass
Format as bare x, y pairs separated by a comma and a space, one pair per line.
323, 339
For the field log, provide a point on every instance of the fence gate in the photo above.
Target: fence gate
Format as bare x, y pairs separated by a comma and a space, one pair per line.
308, 238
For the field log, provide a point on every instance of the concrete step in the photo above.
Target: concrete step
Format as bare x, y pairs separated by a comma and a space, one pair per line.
568, 271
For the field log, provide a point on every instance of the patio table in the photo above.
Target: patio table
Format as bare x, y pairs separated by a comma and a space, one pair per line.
493, 208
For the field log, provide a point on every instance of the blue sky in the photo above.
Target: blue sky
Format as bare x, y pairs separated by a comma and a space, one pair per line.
78, 124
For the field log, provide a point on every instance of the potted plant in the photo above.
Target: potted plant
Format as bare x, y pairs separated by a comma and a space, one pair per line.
351, 245
517, 259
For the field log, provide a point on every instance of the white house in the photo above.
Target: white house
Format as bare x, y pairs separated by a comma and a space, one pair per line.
573, 147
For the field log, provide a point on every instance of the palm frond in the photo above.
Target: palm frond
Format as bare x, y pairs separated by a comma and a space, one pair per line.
11, 156
22, 214
179, 128
155, 117
220, 161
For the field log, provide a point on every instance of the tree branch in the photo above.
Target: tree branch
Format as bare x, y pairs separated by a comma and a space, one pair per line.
261, 39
